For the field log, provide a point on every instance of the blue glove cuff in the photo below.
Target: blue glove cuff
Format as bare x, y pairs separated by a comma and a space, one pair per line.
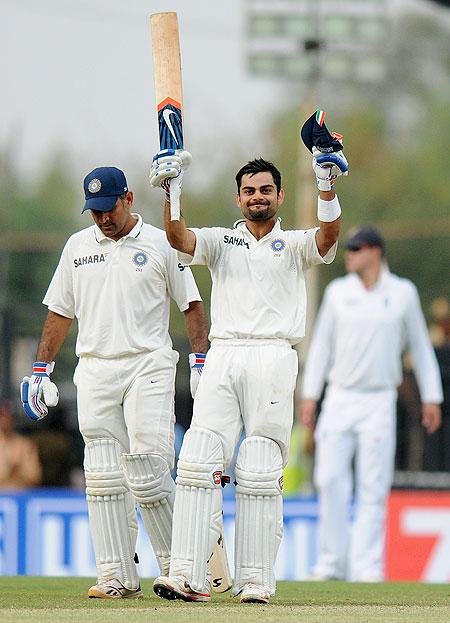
334, 159
164, 152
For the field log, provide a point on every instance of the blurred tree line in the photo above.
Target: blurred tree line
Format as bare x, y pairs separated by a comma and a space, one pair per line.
398, 181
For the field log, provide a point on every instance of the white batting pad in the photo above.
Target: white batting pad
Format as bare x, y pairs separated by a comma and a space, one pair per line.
259, 513
150, 482
109, 512
198, 506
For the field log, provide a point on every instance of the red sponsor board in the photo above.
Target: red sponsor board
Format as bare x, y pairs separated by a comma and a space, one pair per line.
418, 536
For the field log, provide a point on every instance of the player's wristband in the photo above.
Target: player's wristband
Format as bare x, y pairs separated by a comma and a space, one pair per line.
328, 211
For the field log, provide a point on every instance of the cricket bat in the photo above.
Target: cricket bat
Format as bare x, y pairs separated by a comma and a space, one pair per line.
168, 90
169, 106
221, 580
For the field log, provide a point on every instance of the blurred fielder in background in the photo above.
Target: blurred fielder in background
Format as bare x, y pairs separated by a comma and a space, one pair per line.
116, 277
367, 319
258, 307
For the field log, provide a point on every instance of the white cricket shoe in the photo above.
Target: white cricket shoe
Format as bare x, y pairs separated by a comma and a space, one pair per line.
254, 594
114, 589
319, 577
177, 587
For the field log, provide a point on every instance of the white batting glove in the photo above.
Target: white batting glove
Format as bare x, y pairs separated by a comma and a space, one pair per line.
38, 392
196, 362
328, 167
168, 167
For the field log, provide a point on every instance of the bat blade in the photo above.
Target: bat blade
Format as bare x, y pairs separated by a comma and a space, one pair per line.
168, 87
221, 580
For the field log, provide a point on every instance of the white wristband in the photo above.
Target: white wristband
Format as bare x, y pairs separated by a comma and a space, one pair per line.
328, 211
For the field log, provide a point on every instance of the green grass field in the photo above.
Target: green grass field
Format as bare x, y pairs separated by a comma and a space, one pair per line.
29, 599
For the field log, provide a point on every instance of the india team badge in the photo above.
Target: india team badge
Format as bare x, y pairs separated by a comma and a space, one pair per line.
140, 259
278, 246
94, 186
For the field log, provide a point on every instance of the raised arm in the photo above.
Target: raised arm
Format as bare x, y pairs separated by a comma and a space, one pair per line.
169, 166
328, 233
179, 236
328, 163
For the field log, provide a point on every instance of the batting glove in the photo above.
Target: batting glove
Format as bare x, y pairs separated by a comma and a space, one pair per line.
196, 362
327, 167
167, 165
38, 392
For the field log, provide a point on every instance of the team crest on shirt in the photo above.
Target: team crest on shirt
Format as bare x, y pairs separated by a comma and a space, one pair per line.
140, 259
278, 245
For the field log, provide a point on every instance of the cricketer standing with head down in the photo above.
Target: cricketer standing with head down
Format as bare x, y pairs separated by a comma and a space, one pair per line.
366, 320
258, 304
117, 277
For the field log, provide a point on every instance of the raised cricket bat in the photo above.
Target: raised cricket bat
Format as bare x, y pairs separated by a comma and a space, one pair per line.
169, 106
168, 90
221, 580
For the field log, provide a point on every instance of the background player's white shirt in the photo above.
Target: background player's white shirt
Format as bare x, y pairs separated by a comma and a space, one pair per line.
360, 335
258, 286
119, 291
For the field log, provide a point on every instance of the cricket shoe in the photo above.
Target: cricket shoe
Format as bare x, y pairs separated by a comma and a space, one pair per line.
113, 589
177, 587
319, 577
254, 594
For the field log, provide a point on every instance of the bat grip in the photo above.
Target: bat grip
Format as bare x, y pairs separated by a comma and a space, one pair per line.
175, 194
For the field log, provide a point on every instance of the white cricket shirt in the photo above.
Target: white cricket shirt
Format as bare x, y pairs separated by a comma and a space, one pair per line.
361, 334
120, 291
258, 286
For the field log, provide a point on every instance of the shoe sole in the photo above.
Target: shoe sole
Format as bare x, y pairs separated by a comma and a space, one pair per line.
254, 600
164, 592
95, 594
168, 593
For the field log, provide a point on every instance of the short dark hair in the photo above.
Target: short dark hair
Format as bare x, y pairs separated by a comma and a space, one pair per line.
259, 166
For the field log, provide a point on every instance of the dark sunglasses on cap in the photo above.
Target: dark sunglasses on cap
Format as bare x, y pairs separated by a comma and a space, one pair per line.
355, 247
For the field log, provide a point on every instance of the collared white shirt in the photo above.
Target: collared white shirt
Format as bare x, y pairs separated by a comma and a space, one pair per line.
258, 286
360, 335
120, 290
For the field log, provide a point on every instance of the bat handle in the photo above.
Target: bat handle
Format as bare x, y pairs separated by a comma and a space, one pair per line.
175, 194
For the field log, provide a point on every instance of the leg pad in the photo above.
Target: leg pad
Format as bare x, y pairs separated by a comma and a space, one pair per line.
108, 505
198, 506
259, 513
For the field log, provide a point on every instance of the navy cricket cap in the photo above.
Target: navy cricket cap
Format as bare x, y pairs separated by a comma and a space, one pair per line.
364, 236
314, 133
102, 187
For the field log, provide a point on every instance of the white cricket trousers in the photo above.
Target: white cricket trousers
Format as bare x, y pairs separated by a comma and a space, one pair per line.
129, 399
247, 384
361, 425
